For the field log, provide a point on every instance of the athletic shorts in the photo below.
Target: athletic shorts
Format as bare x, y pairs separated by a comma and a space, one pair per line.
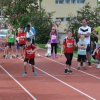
30, 61
21, 45
10, 44
81, 58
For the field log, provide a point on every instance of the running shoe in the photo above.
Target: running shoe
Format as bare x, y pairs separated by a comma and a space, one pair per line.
35, 73
70, 71
24, 74
66, 71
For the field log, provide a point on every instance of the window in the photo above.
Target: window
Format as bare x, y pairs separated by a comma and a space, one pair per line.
59, 1
68, 19
80, 1
56, 1
67, 1
61, 19
73, 1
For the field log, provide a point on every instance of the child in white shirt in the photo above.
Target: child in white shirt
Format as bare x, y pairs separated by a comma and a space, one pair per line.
48, 46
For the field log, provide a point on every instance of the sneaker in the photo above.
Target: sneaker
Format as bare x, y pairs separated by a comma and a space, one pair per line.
35, 73
24, 74
66, 71
6, 57
70, 71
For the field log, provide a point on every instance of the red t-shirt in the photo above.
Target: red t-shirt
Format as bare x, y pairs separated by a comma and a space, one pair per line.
69, 45
22, 38
98, 54
28, 51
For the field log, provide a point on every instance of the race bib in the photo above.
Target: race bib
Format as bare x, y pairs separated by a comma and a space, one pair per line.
69, 45
12, 36
53, 38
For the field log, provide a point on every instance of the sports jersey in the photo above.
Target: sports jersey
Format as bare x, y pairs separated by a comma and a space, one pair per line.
69, 45
11, 38
22, 38
29, 51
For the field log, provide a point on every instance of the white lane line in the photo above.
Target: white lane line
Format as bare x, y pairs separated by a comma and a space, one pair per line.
64, 83
72, 68
18, 83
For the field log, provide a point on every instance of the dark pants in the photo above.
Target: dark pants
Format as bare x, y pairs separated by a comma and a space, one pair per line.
54, 47
69, 57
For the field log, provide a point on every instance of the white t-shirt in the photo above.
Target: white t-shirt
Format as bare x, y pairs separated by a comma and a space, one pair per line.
85, 30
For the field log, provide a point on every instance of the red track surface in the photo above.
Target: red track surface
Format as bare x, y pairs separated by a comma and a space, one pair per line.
51, 82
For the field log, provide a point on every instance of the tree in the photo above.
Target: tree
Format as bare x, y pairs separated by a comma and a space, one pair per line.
92, 15
21, 12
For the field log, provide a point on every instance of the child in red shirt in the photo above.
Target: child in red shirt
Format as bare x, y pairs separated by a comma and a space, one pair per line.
30, 50
68, 46
21, 40
97, 56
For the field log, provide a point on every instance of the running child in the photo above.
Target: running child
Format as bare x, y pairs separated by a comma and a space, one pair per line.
97, 55
21, 40
82, 45
30, 50
68, 47
11, 41
5, 55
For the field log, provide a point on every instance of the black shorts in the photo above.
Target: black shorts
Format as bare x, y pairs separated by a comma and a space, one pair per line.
10, 44
21, 45
81, 58
88, 50
30, 61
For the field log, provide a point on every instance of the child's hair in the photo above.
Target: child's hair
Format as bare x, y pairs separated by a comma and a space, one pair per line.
28, 40
68, 31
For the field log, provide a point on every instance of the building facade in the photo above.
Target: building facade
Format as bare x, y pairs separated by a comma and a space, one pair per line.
64, 8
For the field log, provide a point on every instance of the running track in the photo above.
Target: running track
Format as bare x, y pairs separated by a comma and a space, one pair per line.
51, 82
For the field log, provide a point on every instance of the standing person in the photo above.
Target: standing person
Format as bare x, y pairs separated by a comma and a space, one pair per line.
86, 30
30, 50
11, 41
30, 32
82, 52
97, 55
94, 39
48, 46
68, 46
5, 55
54, 42
21, 40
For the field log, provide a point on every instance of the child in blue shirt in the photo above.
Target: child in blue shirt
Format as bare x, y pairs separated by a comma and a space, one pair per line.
82, 45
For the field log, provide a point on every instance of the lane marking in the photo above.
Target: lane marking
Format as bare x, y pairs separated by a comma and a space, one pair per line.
18, 83
64, 83
72, 68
